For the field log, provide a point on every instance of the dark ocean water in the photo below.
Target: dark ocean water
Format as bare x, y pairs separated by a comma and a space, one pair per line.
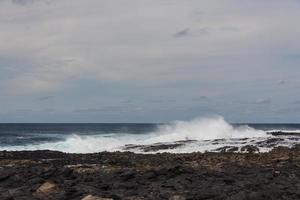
24, 134
66, 137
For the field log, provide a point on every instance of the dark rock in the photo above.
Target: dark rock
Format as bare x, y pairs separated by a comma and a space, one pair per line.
158, 146
67, 172
273, 175
250, 149
127, 175
227, 149
4, 176
271, 142
91, 197
283, 133
177, 197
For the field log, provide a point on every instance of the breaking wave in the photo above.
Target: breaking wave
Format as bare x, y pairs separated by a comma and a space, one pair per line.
201, 129
204, 129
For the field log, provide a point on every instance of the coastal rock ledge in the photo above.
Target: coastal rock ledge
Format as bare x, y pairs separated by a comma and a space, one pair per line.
47, 175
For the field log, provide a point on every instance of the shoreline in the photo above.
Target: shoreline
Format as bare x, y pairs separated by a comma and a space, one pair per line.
126, 175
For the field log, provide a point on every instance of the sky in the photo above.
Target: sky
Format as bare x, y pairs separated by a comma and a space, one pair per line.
149, 60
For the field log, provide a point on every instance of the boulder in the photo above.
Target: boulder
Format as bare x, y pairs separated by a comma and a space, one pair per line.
177, 197
47, 188
91, 197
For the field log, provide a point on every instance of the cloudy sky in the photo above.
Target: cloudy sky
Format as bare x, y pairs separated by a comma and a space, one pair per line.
149, 60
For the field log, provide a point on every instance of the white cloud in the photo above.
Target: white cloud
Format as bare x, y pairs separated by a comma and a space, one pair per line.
132, 41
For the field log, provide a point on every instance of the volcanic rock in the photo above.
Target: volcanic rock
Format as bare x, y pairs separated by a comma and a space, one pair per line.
281, 133
227, 149
91, 197
46, 189
177, 197
250, 149
129, 176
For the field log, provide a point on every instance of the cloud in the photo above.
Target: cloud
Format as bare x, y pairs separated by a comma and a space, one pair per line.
28, 111
229, 28
296, 102
24, 111
288, 111
281, 82
126, 46
126, 101
182, 33
32, 2
171, 100
201, 98
87, 110
156, 101
45, 98
100, 52
263, 101
108, 109
23, 2
48, 110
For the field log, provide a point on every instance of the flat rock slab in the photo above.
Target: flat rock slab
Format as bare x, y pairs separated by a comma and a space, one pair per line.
47, 189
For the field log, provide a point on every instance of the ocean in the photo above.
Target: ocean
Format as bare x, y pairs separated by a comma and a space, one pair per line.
198, 135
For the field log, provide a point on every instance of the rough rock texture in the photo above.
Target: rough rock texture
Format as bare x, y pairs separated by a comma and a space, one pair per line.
47, 189
55, 175
278, 133
91, 197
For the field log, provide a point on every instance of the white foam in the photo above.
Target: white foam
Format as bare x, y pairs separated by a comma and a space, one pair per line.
200, 129
204, 129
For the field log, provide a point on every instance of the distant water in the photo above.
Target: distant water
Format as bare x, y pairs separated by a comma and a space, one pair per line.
206, 134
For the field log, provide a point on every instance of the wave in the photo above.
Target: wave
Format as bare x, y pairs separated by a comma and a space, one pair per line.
204, 129
200, 129
283, 130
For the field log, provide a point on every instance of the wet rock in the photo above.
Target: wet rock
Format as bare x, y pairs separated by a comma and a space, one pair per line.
227, 149
91, 197
283, 133
250, 149
158, 146
271, 142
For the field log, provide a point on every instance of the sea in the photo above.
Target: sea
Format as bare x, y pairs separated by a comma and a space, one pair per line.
198, 135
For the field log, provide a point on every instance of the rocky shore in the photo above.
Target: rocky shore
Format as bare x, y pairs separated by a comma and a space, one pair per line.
29, 175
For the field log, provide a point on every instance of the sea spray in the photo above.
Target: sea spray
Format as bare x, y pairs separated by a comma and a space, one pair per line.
203, 130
